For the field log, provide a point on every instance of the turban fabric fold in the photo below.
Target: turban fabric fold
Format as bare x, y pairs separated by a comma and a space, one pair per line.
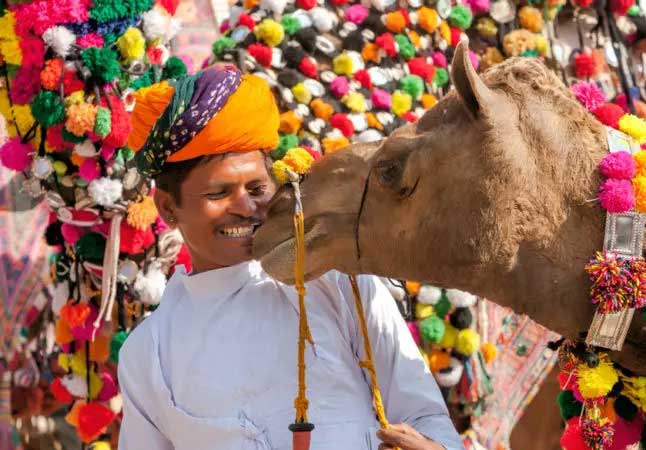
214, 111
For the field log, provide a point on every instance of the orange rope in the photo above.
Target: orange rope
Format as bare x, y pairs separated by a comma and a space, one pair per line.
301, 403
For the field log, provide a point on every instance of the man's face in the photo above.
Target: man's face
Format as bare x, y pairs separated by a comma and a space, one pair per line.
223, 202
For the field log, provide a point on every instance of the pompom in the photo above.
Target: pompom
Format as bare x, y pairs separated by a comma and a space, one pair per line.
439, 360
103, 122
150, 286
428, 101
25, 85
381, 99
461, 17
308, 67
531, 19
105, 191
90, 170
275, 6
467, 342
451, 375
343, 65
47, 109
60, 392
16, 155
306, 4
90, 40
518, 42
339, 87
332, 144
432, 329
413, 85
460, 299
342, 123
143, 214
121, 126
298, 160
81, 118
102, 63
609, 114
450, 336
585, 66
461, 318
418, 66
401, 103
93, 419
222, 44
261, 53
395, 21
133, 241
387, 42
595, 382
323, 19
321, 109
363, 77
489, 352
597, 434
117, 342
108, 391
633, 126
289, 122
414, 331
639, 189
356, 13
626, 433
59, 39
174, 68
429, 295
270, 32
618, 165
568, 405
479, 6
588, 94
423, 311
355, 102
616, 196
621, 7
50, 77
572, 437
279, 169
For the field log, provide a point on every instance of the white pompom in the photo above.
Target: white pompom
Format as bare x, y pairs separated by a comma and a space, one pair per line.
275, 6
461, 299
397, 292
451, 376
155, 24
60, 297
76, 385
105, 191
59, 39
150, 286
323, 20
86, 149
370, 135
382, 5
303, 18
173, 28
429, 295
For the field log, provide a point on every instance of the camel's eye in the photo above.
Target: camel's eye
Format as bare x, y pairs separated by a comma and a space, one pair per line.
389, 171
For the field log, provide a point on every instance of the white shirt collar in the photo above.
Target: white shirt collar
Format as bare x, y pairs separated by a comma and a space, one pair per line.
219, 283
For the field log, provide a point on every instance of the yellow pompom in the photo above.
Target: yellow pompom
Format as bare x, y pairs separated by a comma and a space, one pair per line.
301, 93
542, 45
414, 38
355, 101
280, 172
423, 311
270, 32
450, 336
428, 19
531, 19
77, 364
487, 27
439, 360
445, 31
11, 53
489, 352
8, 25
332, 144
635, 390
467, 342
428, 101
74, 98
23, 117
640, 163
343, 65
298, 159
639, 187
401, 103
100, 445
132, 44
595, 382
64, 361
142, 214
633, 126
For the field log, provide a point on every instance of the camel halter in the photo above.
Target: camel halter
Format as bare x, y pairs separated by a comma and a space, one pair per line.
301, 428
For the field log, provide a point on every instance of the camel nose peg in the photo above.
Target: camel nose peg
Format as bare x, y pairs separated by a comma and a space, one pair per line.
301, 435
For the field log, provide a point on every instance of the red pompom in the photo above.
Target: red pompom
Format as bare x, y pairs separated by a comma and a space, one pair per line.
409, 116
418, 66
339, 2
306, 4
387, 42
583, 3
609, 114
246, 21
308, 67
404, 13
456, 35
120, 123
183, 258
262, 53
71, 83
316, 155
60, 392
134, 241
621, 7
363, 77
154, 55
584, 66
170, 5
572, 437
93, 419
343, 124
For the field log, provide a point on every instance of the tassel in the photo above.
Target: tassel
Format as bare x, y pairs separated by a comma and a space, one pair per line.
109, 275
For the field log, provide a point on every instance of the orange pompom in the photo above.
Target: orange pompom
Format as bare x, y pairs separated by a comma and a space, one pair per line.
370, 52
50, 77
414, 38
100, 348
395, 21
428, 19
439, 360
531, 19
321, 109
331, 145
412, 287
373, 122
77, 159
489, 352
62, 333
75, 315
81, 118
290, 123
428, 101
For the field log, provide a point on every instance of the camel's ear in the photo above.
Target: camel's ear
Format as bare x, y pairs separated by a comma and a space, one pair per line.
475, 95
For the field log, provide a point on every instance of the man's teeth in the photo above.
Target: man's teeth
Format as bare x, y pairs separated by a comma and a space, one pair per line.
237, 231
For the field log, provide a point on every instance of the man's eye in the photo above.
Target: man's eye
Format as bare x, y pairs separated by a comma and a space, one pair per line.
259, 190
215, 195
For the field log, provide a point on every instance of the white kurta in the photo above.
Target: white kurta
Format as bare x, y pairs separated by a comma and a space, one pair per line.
214, 367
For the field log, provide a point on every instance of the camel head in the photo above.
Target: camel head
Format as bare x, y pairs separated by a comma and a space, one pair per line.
487, 172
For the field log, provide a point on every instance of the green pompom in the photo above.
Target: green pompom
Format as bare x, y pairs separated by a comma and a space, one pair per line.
461, 17
91, 247
625, 408
127, 153
568, 405
102, 62
290, 24
442, 307
634, 11
110, 10
441, 77
406, 48
432, 329
413, 85
529, 54
103, 122
221, 44
115, 345
143, 81
69, 137
286, 142
174, 68
48, 109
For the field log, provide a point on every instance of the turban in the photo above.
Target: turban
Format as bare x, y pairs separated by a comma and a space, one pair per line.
217, 110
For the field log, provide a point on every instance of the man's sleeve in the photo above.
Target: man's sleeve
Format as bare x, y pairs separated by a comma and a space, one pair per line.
138, 432
409, 391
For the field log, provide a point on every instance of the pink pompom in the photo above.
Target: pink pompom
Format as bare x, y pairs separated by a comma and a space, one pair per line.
71, 233
479, 6
475, 61
356, 14
160, 226
572, 437
439, 59
619, 165
414, 331
90, 40
33, 52
381, 99
107, 152
109, 388
622, 102
188, 62
16, 155
588, 94
626, 433
339, 87
89, 170
616, 196
25, 85
86, 331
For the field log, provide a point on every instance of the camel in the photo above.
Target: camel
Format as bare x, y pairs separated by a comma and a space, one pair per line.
492, 192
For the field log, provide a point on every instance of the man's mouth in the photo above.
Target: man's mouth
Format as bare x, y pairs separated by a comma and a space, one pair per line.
239, 231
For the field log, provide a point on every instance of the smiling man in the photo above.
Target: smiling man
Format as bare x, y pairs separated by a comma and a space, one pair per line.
214, 367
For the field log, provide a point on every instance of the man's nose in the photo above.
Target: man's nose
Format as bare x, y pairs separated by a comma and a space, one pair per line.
243, 205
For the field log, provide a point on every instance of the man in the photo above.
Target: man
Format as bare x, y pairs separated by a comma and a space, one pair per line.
214, 367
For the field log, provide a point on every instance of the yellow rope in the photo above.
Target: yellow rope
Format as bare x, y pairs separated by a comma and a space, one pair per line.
301, 403
368, 363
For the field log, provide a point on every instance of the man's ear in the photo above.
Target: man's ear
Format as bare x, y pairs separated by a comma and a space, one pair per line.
166, 206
